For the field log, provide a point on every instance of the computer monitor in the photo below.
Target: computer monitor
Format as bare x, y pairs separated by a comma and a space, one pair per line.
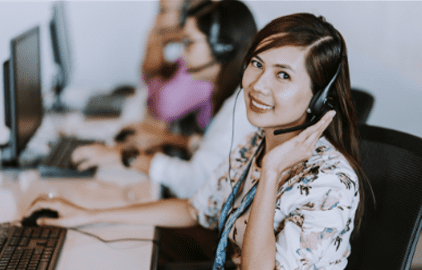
61, 52
22, 94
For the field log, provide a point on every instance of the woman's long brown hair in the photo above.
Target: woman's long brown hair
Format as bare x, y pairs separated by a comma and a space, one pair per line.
238, 28
326, 52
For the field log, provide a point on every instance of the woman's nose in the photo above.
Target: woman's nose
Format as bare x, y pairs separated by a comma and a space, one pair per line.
262, 83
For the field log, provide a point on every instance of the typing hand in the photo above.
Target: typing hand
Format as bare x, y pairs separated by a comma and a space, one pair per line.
147, 138
297, 149
95, 155
70, 215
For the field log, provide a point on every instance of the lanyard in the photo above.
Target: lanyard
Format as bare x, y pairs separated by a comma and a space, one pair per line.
227, 205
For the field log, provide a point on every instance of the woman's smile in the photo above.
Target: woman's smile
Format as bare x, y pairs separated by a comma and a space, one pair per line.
258, 106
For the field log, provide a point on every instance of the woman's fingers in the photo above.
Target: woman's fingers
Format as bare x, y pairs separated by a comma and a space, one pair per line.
62, 221
86, 164
320, 127
69, 213
81, 153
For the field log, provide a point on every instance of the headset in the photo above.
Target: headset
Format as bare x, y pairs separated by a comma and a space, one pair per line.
222, 48
319, 105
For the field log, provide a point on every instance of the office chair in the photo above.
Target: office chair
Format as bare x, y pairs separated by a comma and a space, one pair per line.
392, 161
363, 102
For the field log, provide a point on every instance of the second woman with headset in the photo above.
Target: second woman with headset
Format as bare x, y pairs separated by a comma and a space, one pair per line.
216, 38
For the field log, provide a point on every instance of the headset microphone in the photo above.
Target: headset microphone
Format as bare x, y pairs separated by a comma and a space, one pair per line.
200, 68
319, 105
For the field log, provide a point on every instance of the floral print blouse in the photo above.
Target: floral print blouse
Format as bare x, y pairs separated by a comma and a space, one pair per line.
314, 212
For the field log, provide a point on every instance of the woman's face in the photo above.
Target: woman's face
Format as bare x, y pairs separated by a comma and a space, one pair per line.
197, 52
277, 88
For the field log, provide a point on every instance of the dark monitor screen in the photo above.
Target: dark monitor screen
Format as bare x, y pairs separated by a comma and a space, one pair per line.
60, 45
25, 109
27, 86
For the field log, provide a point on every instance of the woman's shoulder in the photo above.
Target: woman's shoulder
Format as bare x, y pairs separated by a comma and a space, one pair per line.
331, 161
248, 146
245, 151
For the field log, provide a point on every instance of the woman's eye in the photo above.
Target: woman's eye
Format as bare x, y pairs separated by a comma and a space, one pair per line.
283, 75
256, 64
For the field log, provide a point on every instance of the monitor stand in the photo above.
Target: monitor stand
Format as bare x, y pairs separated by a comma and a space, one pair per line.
58, 106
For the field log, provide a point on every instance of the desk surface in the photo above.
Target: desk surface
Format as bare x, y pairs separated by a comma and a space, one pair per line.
111, 187
19, 189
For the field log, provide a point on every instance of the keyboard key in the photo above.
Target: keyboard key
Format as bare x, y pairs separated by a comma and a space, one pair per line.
18, 232
24, 242
51, 243
36, 233
27, 232
45, 233
54, 233
14, 241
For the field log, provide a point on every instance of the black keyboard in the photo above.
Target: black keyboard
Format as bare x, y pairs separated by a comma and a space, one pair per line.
104, 106
30, 248
59, 164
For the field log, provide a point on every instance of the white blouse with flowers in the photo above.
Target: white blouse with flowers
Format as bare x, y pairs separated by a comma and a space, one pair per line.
314, 211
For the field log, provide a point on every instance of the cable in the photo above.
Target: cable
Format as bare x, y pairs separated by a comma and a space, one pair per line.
232, 139
113, 240
17, 223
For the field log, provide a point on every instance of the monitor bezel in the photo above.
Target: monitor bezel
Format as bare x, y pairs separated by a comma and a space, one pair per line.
14, 141
60, 44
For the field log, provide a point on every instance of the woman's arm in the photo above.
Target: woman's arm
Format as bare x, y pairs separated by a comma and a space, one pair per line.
150, 137
154, 60
166, 29
163, 213
259, 249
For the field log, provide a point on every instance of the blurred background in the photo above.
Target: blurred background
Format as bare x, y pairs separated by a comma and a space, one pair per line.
108, 39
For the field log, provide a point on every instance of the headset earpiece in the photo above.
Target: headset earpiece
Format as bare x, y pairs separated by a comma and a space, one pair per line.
320, 100
222, 49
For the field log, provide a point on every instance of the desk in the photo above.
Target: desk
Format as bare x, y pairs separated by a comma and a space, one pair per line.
110, 187
19, 188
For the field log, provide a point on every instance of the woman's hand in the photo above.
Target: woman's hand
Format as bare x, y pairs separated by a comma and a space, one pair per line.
150, 138
147, 138
297, 149
96, 155
70, 215
142, 163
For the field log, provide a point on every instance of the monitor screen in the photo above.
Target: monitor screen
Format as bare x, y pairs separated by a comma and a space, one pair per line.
25, 109
60, 45
27, 84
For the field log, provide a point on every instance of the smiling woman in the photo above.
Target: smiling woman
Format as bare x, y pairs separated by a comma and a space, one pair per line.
289, 201
281, 69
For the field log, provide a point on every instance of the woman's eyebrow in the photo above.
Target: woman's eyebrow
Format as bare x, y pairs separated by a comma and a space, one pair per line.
284, 66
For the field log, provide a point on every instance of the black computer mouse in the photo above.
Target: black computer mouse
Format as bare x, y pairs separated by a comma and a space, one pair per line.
31, 221
123, 134
123, 90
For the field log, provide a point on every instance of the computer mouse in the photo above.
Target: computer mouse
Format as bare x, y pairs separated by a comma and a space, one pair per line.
123, 90
31, 221
123, 134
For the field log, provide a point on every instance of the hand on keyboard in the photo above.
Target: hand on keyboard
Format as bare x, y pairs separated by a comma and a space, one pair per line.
89, 156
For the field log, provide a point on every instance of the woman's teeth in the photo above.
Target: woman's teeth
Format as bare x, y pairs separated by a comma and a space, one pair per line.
263, 107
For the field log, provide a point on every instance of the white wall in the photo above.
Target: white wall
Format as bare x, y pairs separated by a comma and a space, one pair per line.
107, 38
